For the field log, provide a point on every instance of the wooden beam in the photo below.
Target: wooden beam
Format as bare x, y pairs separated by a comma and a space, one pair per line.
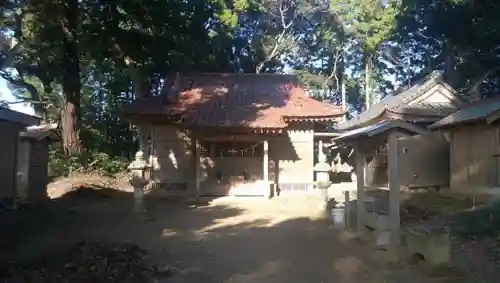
394, 192
327, 134
232, 130
266, 169
230, 138
360, 184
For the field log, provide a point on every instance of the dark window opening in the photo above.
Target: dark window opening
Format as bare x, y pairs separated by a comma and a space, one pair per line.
232, 149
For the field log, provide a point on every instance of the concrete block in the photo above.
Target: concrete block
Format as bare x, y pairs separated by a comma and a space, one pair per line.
434, 247
377, 221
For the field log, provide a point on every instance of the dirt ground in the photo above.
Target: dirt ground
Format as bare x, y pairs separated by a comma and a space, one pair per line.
224, 240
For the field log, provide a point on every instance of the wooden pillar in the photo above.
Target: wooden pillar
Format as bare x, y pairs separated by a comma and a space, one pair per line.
23, 166
394, 191
360, 184
266, 169
320, 150
320, 157
197, 167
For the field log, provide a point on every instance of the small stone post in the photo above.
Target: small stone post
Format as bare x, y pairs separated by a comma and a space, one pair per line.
138, 180
22, 190
322, 170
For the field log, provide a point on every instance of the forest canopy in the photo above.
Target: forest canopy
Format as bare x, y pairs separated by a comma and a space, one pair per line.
79, 62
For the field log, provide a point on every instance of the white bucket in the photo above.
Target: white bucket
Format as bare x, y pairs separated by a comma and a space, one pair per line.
338, 217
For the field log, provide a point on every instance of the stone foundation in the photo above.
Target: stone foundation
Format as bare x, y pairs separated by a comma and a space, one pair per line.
434, 247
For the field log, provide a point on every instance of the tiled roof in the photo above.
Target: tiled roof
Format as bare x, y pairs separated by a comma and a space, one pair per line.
250, 100
379, 128
473, 112
397, 102
438, 110
18, 117
40, 132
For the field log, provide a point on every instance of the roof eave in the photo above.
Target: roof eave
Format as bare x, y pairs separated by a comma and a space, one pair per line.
493, 117
330, 117
414, 118
390, 125
448, 126
434, 80
18, 117
38, 133
361, 124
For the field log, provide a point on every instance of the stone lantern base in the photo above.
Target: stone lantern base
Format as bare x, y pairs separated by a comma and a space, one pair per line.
138, 181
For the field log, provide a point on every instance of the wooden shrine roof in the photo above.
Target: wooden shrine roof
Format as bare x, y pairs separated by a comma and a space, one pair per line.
398, 102
234, 100
378, 129
473, 112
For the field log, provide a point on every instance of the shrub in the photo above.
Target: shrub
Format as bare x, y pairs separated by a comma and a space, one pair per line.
86, 162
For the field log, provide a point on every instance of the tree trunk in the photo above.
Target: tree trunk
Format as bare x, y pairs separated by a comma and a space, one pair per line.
141, 90
141, 85
341, 80
71, 85
368, 92
451, 76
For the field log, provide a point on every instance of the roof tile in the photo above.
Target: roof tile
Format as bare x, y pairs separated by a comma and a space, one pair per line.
472, 112
398, 101
258, 101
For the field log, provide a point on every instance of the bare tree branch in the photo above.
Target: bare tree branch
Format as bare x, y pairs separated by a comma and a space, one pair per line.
278, 43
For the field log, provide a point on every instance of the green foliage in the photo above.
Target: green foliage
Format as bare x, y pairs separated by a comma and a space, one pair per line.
158, 37
483, 222
372, 22
126, 49
457, 36
87, 161
228, 18
241, 5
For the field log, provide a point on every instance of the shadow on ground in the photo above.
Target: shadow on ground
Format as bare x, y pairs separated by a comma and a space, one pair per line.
244, 240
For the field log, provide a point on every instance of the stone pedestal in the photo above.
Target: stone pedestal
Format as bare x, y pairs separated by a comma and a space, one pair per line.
381, 226
434, 246
323, 170
22, 187
138, 181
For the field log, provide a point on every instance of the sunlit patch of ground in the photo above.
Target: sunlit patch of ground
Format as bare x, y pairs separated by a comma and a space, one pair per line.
238, 240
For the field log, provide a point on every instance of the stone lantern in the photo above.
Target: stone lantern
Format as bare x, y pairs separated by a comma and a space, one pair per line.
322, 169
138, 180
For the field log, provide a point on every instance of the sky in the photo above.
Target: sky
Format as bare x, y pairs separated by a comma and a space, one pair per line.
6, 94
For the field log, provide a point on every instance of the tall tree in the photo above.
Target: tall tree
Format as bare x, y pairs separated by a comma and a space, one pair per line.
71, 85
371, 23
458, 36
320, 55
44, 44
